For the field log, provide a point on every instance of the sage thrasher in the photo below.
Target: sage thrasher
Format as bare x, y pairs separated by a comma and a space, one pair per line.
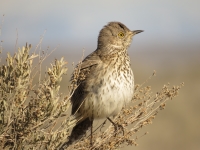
107, 81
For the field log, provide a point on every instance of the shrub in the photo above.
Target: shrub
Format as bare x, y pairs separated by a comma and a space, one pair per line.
34, 115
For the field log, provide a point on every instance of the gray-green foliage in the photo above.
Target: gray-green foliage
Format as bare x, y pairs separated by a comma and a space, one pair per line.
29, 111
33, 115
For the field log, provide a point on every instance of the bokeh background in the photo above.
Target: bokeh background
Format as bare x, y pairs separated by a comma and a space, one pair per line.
170, 45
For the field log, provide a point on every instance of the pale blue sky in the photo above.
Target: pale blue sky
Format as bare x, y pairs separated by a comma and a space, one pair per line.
67, 21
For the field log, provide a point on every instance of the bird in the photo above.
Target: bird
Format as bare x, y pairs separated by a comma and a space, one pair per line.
105, 81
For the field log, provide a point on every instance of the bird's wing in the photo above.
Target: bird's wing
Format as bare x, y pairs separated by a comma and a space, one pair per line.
85, 71
91, 60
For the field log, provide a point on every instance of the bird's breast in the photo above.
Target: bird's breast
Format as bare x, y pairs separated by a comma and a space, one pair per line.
110, 90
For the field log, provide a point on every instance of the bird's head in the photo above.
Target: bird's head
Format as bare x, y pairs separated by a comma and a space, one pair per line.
117, 35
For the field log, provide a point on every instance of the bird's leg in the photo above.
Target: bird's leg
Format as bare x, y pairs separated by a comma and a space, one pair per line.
91, 133
100, 126
116, 125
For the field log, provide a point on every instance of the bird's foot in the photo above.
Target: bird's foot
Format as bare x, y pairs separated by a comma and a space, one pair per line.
116, 126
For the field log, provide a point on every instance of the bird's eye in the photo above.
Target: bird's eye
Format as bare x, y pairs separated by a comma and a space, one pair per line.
120, 34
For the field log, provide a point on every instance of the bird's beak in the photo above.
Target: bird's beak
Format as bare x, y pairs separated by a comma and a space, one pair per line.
136, 31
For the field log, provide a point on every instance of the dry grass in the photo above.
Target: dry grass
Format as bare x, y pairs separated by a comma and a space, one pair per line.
35, 115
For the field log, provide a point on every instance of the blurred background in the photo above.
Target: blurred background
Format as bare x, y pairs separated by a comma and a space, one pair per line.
170, 45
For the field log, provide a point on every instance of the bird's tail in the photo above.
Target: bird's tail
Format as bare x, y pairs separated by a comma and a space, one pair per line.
78, 131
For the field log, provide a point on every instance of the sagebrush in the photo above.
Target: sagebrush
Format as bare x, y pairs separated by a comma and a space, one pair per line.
35, 115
